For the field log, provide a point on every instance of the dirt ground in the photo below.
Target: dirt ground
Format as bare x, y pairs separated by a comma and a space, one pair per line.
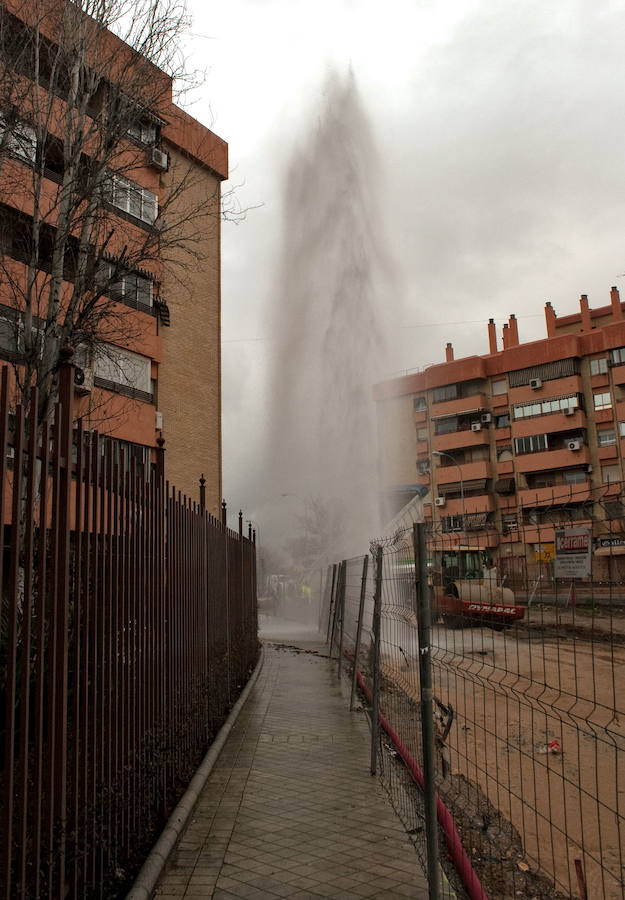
560, 677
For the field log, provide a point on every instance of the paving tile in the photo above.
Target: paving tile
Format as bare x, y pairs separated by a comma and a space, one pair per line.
290, 809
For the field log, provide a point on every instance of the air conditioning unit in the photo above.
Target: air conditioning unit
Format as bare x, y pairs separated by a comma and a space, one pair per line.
158, 159
574, 445
83, 380
569, 411
439, 501
476, 426
486, 418
535, 383
159, 420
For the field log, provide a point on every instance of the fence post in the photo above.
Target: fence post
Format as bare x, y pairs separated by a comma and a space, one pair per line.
160, 456
342, 614
424, 619
361, 609
224, 513
202, 492
337, 600
331, 605
377, 616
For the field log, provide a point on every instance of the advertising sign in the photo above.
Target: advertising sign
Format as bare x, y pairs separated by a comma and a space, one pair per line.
573, 553
544, 552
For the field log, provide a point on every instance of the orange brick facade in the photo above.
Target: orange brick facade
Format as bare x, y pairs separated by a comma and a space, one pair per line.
521, 428
174, 340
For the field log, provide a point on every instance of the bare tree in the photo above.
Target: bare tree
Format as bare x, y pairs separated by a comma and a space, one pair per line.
78, 111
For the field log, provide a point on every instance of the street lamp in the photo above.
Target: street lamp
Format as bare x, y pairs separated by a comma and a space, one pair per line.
440, 453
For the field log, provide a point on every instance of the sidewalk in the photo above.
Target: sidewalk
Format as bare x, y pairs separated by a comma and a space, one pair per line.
290, 809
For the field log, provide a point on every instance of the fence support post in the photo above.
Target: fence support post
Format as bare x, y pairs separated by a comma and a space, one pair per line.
337, 601
361, 609
424, 619
331, 605
375, 662
342, 614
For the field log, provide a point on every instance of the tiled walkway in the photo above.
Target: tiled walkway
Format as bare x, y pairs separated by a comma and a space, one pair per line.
290, 809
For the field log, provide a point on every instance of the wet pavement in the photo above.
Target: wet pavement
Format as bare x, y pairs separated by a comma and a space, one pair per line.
290, 809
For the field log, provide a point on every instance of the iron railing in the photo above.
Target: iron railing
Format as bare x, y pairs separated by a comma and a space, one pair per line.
128, 628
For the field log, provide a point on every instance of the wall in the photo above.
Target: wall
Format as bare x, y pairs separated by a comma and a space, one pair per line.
189, 391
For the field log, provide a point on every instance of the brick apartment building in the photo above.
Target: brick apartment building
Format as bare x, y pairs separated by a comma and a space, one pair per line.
498, 444
164, 381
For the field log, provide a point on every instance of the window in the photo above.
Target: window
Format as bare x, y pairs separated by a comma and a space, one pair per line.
504, 454
532, 444
499, 387
599, 366
575, 476
448, 392
610, 474
560, 368
423, 466
9, 332
422, 434
603, 400
130, 197
509, 522
546, 407
123, 368
452, 523
144, 131
502, 421
129, 287
621, 429
617, 356
606, 437
18, 139
419, 404
446, 426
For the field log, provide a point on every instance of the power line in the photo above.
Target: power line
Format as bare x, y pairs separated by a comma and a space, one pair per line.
419, 325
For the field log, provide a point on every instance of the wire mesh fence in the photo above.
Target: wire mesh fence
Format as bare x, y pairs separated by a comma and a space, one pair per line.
526, 653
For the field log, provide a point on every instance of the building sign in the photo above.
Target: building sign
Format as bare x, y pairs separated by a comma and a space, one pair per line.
573, 553
611, 542
544, 552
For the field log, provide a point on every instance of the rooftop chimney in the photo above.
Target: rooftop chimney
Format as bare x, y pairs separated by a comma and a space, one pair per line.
550, 319
585, 312
492, 336
505, 336
513, 336
615, 300
449, 352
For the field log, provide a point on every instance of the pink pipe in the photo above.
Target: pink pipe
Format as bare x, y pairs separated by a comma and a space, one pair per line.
467, 873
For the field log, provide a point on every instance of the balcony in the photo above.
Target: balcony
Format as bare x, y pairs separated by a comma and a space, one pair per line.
552, 459
618, 374
474, 403
572, 384
464, 437
557, 495
470, 472
549, 424
609, 452
473, 540
485, 503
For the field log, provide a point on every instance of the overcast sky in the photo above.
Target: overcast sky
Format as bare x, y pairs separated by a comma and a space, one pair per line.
501, 131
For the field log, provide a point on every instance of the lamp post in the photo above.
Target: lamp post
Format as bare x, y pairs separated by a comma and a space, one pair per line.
440, 453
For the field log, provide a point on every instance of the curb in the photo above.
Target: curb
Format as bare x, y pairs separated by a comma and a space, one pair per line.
152, 868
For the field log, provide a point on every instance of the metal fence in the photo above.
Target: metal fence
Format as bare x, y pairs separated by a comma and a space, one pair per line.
528, 711
128, 628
